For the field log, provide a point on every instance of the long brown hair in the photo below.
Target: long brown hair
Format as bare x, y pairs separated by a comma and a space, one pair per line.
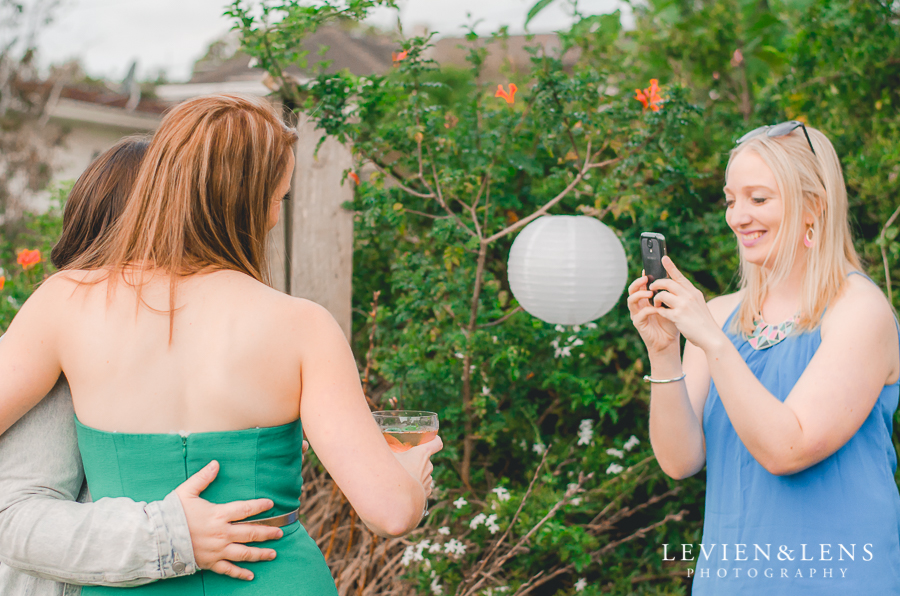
202, 197
97, 200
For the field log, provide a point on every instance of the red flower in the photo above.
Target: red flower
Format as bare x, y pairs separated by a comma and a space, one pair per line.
398, 57
353, 177
2, 282
649, 96
509, 97
28, 258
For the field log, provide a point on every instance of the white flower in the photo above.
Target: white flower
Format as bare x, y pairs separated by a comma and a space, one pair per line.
614, 469
577, 343
502, 493
591, 325
576, 328
617, 452
580, 585
434, 548
436, 587
253, 62
491, 524
539, 448
445, 531
455, 547
560, 328
477, 520
576, 501
485, 391
460, 503
459, 355
494, 337
585, 432
631, 443
564, 352
581, 355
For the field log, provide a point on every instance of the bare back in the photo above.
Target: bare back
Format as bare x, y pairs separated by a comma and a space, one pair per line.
233, 361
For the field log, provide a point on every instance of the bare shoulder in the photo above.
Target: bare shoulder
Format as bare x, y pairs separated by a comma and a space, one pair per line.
861, 304
307, 317
722, 306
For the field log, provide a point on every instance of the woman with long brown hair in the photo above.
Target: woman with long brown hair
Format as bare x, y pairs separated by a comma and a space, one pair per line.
177, 352
48, 538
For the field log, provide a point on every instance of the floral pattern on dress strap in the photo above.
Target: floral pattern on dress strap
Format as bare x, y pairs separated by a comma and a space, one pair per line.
765, 335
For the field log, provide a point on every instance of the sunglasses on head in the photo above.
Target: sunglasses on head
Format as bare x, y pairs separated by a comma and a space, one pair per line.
778, 130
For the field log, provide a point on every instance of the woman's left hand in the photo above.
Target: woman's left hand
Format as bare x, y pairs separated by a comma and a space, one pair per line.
687, 307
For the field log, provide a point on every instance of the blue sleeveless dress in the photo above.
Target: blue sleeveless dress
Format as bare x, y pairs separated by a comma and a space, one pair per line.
833, 528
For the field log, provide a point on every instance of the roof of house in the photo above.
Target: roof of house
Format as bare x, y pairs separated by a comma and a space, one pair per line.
505, 55
361, 52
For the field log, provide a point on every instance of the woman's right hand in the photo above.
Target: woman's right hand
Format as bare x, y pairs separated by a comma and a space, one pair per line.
658, 333
417, 461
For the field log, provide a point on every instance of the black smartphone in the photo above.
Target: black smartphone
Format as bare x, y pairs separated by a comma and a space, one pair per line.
653, 249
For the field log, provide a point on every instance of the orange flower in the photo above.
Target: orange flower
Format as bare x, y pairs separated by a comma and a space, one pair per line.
28, 258
2, 282
509, 97
649, 96
353, 177
398, 57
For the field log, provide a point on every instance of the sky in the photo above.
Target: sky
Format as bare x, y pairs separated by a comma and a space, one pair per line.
169, 35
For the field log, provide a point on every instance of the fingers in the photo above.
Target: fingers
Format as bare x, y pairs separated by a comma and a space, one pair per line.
662, 298
673, 271
231, 570
305, 447
197, 483
429, 468
254, 533
239, 510
246, 554
433, 446
638, 284
428, 486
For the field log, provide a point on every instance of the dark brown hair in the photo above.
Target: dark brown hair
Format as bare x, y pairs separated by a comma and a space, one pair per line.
97, 200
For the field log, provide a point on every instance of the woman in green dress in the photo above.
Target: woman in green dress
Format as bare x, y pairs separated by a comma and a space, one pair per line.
178, 352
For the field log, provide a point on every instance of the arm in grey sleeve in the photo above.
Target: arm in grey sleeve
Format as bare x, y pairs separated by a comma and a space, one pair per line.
45, 533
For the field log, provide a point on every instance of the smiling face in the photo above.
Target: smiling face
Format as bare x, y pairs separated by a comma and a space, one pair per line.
754, 208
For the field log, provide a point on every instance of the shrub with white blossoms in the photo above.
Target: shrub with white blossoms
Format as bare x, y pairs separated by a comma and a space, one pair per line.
585, 432
631, 443
614, 469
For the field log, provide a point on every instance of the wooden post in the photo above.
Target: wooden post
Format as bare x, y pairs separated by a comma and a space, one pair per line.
320, 247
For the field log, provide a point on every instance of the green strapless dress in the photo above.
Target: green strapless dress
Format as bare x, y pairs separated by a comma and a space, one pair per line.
254, 463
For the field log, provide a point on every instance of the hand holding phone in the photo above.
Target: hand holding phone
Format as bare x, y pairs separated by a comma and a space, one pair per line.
653, 249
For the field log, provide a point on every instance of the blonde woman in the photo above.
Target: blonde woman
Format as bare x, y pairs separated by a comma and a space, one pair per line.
177, 352
787, 388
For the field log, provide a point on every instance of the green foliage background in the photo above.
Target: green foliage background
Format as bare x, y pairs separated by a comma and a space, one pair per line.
726, 66
504, 388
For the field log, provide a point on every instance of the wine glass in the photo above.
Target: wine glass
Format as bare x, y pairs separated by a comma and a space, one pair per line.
404, 429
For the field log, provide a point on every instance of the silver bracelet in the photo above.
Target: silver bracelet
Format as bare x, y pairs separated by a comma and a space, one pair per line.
649, 380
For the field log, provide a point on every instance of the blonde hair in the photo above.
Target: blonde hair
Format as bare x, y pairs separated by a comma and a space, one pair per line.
810, 184
202, 197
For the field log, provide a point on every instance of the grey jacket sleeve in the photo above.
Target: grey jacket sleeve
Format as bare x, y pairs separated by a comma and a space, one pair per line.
45, 533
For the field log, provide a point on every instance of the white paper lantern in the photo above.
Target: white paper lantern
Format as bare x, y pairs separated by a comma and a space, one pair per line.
567, 269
